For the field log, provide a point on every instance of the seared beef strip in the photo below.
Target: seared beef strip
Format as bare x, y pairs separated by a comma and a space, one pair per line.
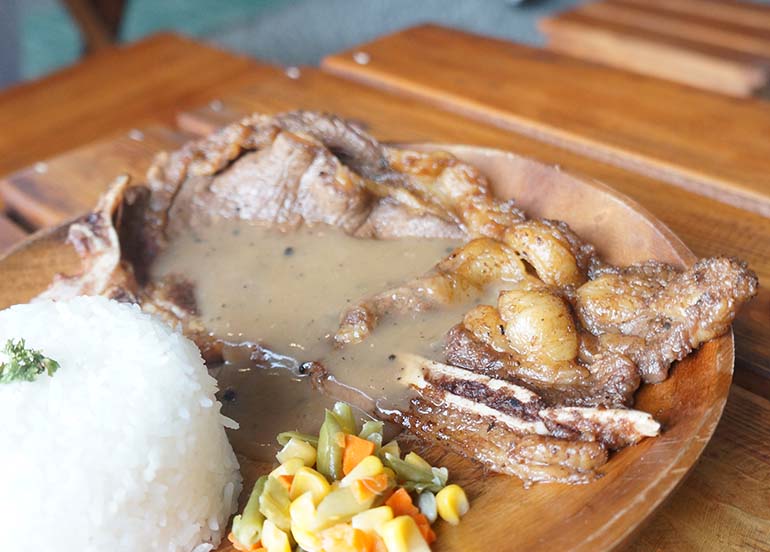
499, 443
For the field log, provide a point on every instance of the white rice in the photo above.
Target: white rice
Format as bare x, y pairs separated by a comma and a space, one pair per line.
123, 448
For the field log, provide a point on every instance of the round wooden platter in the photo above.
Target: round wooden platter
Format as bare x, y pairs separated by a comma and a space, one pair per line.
504, 515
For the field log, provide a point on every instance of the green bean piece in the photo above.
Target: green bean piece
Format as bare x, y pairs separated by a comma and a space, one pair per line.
371, 427
286, 436
391, 448
345, 417
372, 431
274, 504
331, 440
247, 527
415, 478
340, 506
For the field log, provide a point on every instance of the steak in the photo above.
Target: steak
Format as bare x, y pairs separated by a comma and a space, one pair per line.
538, 384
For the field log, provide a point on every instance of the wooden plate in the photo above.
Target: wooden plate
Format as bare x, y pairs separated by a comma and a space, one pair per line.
504, 515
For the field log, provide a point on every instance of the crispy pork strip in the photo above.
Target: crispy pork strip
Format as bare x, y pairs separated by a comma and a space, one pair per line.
611, 380
656, 316
462, 274
456, 191
520, 423
557, 254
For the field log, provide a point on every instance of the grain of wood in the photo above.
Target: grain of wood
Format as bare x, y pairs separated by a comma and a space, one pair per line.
697, 140
10, 233
741, 12
707, 226
725, 503
55, 190
700, 28
652, 53
116, 89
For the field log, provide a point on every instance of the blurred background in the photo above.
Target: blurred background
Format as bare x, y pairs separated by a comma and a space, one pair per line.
40, 36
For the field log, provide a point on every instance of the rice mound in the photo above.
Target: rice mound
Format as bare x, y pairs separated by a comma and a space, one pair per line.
123, 448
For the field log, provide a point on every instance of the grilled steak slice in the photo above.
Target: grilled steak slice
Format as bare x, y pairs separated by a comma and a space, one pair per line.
497, 440
304, 167
524, 411
614, 427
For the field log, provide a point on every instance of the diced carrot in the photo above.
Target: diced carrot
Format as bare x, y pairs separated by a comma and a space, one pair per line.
424, 526
286, 480
256, 547
362, 541
344, 538
401, 504
369, 487
356, 449
361, 491
379, 544
377, 484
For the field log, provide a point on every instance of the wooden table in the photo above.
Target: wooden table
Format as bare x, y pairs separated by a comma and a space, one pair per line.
720, 45
699, 161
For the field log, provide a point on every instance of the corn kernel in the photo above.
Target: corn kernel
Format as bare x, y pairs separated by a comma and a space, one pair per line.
368, 467
372, 520
340, 506
416, 460
273, 539
344, 538
452, 504
290, 467
297, 448
426, 502
391, 447
402, 535
302, 512
308, 480
308, 540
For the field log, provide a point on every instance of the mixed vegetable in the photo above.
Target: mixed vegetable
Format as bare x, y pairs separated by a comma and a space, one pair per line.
346, 491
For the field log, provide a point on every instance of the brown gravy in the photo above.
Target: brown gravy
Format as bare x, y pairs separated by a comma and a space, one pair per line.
286, 291
264, 402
